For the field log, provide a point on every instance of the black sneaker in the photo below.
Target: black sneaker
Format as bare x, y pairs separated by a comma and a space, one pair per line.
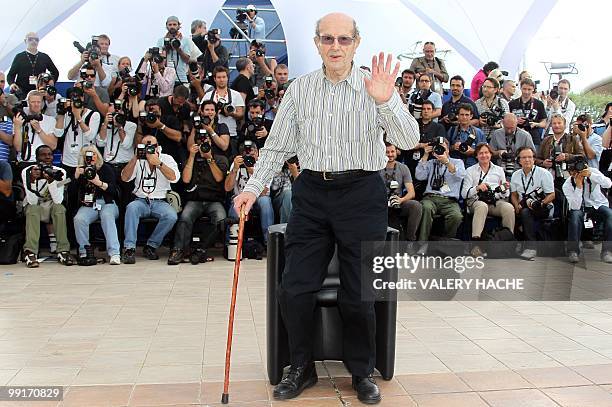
149, 252
176, 257
66, 258
129, 256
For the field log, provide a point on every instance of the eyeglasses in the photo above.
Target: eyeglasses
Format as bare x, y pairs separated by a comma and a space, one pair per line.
33, 39
343, 40
424, 80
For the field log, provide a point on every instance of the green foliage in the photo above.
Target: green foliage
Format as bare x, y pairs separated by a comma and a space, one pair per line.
591, 103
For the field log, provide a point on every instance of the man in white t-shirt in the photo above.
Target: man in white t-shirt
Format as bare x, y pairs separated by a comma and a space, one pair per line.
153, 172
32, 129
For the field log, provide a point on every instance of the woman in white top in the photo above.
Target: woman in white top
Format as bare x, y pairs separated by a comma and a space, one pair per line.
486, 192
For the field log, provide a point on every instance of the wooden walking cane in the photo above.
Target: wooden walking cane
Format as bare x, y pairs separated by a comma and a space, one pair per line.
230, 326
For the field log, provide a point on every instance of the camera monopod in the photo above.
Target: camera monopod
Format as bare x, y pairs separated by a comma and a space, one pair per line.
230, 325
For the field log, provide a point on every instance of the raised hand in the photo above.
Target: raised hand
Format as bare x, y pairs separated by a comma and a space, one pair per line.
382, 83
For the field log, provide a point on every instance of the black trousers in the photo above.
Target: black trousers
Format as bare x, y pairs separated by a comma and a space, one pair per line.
325, 213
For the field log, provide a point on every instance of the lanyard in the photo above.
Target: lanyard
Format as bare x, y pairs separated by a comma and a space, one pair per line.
533, 170
528, 114
482, 177
390, 177
33, 63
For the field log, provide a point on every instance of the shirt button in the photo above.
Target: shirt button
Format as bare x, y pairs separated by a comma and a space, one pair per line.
330, 115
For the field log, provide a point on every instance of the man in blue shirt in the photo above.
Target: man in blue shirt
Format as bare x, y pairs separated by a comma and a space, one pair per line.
180, 51
464, 137
7, 205
450, 109
257, 25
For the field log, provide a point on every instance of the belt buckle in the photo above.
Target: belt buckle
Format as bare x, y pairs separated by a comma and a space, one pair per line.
325, 176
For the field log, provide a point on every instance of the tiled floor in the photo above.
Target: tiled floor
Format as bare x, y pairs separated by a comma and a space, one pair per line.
152, 335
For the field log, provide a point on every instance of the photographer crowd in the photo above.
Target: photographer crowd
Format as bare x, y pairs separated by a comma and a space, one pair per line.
173, 139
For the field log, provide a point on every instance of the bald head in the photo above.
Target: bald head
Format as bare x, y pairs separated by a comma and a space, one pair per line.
509, 122
336, 19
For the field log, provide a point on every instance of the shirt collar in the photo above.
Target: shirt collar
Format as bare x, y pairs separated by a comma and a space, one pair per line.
354, 79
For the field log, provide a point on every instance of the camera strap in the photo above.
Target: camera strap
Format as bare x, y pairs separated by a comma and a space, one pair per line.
527, 114
143, 175
511, 141
390, 177
588, 180
36, 191
525, 188
436, 174
482, 177
114, 132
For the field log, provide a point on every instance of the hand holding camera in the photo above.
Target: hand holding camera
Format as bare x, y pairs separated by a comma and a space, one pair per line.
153, 159
18, 120
238, 161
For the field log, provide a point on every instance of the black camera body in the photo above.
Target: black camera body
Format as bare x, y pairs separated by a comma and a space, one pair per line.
213, 36
249, 161
554, 93
451, 116
464, 146
90, 172
577, 163
582, 126
534, 199
490, 195
225, 107
48, 170
155, 55
438, 146
491, 118
392, 186
148, 117
203, 140
254, 124
132, 89
62, 106
51, 90
172, 43
92, 47
269, 94
143, 149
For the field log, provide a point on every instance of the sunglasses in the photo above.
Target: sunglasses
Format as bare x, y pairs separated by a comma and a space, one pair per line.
343, 40
33, 39
90, 75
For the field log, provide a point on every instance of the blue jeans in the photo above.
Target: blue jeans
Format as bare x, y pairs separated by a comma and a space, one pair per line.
139, 208
107, 214
282, 205
192, 211
575, 225
266, 215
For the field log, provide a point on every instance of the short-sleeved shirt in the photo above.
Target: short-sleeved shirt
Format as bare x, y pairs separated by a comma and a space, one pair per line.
174, 60
236, 101
6, 175
399, 173
499, 108
533, 111
510, 142
243, 85
456, 134
170, 147
537, 179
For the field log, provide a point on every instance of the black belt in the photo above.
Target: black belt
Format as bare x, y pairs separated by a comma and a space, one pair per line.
330, 176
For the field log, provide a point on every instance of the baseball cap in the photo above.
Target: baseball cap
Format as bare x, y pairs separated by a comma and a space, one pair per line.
172, 18
251, 7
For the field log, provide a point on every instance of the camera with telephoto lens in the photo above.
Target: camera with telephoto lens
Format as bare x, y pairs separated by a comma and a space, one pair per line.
582, 126
132, 88
238, 33
90, 169
560, 167
202, 139
119, 118
437, 183
225, 107
260, 53
438, 145
18, 108
213, 36
451, 116
87, 84
577, 163
533, 201
50, 90
392, 197
62, 106
489, 196
148, 117
92, 47
249, 161
554, 93
194, 69
469, 141
269, 94
143, 149
491, 118
155, 55
49, 171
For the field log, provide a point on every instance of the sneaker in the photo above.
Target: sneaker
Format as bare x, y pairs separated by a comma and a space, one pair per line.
115, 260
129, 256
150, 253
176, 257
66, 258
588, 244
573, 257
528, 254
30, 260
606, 257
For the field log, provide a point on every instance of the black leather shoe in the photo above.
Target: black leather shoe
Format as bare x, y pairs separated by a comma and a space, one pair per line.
367, 389
295, 381
150, 253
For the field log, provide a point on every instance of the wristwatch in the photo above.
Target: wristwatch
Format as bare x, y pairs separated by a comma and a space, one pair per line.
209, 160
163, 127
161, 164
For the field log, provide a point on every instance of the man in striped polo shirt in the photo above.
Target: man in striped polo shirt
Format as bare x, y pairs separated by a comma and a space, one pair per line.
333, 119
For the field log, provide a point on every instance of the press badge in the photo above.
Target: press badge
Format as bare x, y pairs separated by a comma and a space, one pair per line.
74, 148
445, 188
416, 155
588, 222
89, 198
32, 80
148, 182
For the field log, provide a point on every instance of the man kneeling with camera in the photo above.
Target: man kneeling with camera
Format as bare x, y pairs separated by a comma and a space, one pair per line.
153, 173
586, 201
44, 184
203, 174
532, 194
486, 191
98, 193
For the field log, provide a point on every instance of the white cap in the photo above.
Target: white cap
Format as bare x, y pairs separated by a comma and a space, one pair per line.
497, 74
251, 7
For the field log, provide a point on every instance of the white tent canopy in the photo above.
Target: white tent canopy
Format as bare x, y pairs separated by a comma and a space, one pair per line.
472, 31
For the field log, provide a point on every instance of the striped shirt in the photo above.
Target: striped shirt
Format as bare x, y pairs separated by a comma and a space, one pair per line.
333, 127
5, 149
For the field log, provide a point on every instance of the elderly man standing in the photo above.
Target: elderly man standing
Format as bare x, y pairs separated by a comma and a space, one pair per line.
332, 118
